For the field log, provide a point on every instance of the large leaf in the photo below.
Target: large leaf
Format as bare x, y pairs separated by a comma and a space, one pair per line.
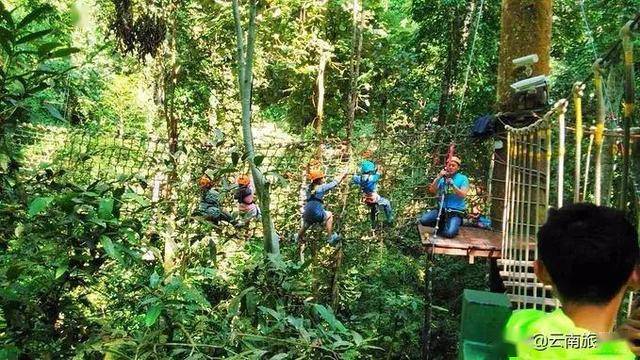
108, 246
328, 316
54, 112
33, 16
62, 52
61, 270
38, 205
44, 49
152, 314
105, 208
154, 280
234, 305
33, 36
258, 160
235, 156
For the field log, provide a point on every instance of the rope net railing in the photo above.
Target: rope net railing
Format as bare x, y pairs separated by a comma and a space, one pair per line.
409, 159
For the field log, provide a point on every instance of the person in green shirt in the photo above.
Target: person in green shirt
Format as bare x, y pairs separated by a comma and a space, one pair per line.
589, 255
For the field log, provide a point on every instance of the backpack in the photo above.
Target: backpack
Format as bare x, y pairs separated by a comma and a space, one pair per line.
483, 127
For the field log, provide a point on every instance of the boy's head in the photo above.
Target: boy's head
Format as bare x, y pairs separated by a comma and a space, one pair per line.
588, 252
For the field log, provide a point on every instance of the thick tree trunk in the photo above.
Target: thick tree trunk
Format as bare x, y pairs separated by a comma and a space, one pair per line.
245, 79
525, 29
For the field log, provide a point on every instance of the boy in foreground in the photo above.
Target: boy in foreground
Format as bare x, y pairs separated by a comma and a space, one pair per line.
588, 254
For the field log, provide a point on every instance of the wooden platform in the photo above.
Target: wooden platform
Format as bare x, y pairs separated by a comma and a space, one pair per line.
470, 242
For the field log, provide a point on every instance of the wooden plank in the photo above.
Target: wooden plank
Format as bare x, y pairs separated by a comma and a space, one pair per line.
477, 237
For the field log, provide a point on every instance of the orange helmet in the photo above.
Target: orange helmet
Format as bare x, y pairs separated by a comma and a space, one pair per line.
243, 180
315, 174
205, 181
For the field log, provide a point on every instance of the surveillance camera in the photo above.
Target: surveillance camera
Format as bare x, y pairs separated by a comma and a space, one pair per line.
529, 83
525, 60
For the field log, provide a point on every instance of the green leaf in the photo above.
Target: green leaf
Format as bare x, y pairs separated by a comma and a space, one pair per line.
33, 36
279, 356
105, 208
108, 246
54, 112
357, 338
44, 49
154, 280
328, 316
4, 162
61, 270
234, 305
271, 312
152, 314
20, 85
258, 159
63, 52
38, 205
219, 136
341, 343
235, 156
33, 15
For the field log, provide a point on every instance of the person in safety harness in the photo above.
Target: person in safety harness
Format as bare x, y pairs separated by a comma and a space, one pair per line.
368, 182
247, 207
314, 212
454, 186
210, 203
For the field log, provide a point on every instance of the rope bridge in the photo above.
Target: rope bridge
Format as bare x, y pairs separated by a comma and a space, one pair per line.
407, 159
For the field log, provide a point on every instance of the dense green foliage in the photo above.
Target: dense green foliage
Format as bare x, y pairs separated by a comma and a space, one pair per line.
82, 238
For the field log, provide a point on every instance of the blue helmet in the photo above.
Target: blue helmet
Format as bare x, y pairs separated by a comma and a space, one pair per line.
367, 166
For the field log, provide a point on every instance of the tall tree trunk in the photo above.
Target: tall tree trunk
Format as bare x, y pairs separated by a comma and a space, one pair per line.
525, 29
324, 55
354, 64
628, 107
169, 77
245, 80
459, 24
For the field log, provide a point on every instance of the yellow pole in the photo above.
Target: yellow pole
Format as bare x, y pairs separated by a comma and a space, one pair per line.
598, 136
627, 103
561, 108
578, 92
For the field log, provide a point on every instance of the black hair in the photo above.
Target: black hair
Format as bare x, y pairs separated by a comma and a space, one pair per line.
589, 252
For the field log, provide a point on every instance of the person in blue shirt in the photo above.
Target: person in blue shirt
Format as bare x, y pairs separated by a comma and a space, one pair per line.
368, 182
314, 212
455, 186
